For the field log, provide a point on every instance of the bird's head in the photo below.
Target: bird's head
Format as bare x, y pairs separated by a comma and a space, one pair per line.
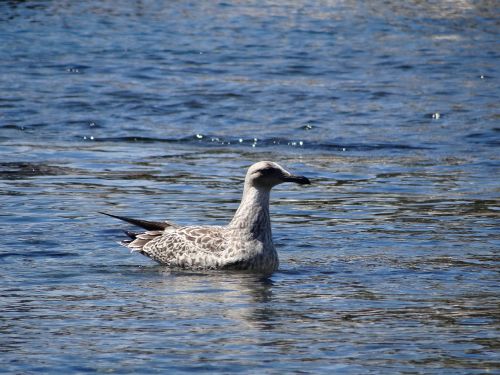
267, 174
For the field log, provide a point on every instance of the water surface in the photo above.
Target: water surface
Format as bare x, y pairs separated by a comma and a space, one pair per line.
389, 260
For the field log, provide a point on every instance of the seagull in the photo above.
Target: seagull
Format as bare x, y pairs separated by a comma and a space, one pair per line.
244, 244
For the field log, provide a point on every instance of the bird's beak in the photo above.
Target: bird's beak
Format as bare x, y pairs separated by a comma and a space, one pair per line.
297, 179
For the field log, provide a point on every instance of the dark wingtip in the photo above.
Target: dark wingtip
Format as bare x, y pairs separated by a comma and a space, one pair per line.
146, 224
104, 213
111, 215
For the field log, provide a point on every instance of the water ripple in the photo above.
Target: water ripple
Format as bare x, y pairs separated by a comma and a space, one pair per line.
151, 109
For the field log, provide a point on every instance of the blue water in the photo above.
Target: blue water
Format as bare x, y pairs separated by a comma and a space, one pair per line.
152, 109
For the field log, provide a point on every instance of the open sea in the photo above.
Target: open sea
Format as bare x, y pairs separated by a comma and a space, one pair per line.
390, 260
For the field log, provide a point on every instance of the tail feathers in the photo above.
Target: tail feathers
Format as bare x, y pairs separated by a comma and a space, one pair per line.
140, 240
146, 224
132, 235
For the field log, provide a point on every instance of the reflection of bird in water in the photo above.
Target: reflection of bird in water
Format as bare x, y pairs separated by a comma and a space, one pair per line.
245, 244
237, 300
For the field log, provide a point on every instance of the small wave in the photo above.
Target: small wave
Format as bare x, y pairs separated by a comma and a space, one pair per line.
35, 254
212, 140
20, 170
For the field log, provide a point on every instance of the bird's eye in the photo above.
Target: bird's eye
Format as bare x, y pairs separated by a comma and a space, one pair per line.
265, 171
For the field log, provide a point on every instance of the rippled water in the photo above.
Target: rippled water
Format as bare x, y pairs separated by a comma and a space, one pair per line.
389, 261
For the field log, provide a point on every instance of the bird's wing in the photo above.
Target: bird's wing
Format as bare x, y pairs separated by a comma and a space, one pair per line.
182, 247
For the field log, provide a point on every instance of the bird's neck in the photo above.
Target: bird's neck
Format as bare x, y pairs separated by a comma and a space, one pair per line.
252, 215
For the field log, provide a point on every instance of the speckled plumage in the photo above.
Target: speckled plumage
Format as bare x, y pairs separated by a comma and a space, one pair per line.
244, 244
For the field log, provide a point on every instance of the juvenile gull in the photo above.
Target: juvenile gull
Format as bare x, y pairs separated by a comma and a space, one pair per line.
244, 244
